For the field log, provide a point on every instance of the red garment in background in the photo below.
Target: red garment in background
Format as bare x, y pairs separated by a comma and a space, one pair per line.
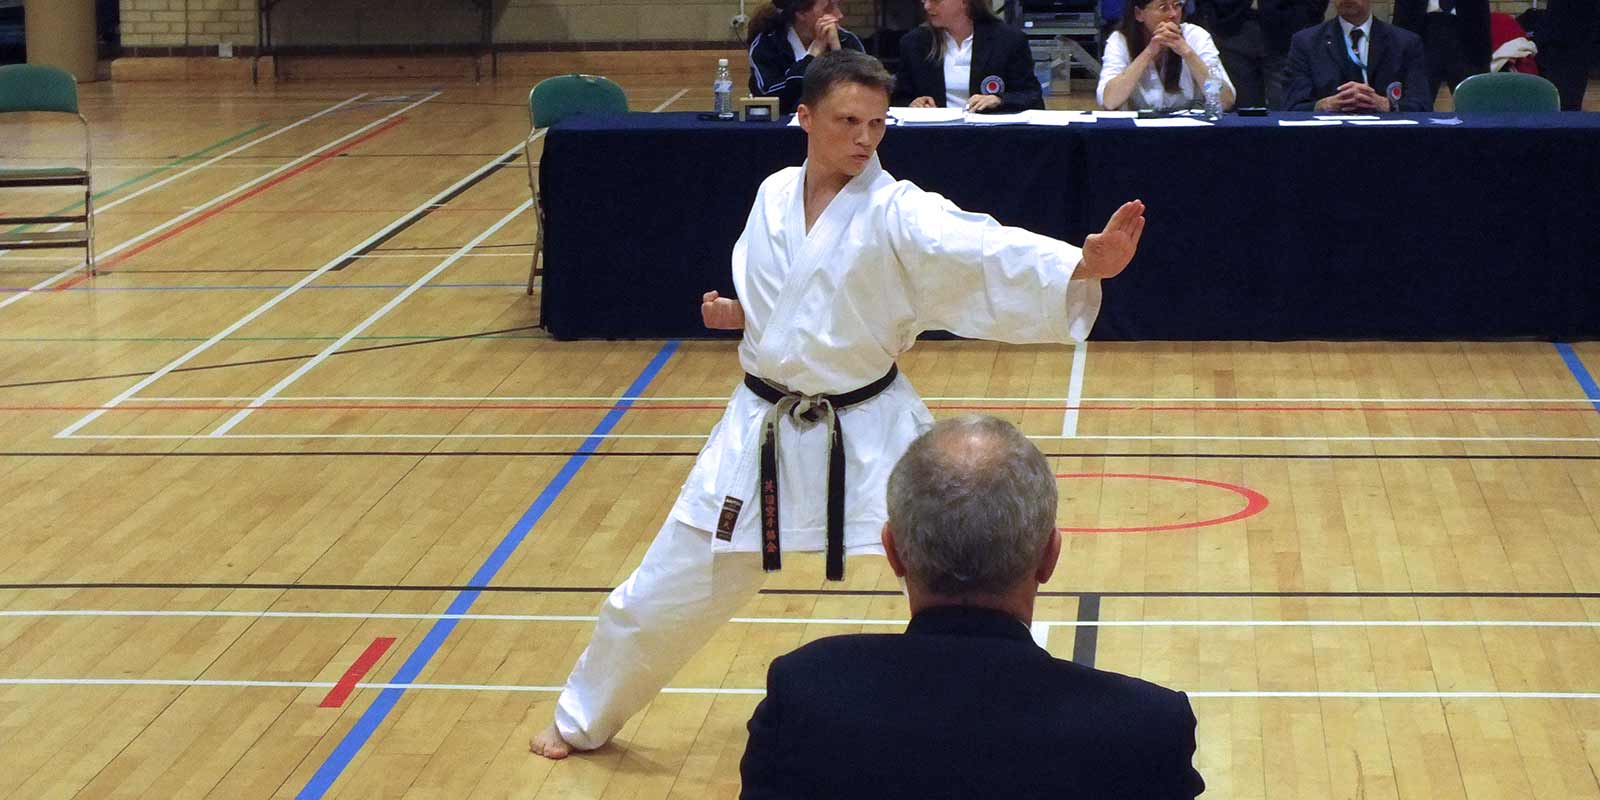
1503, 28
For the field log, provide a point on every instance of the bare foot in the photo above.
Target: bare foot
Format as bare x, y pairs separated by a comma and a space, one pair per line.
548, 743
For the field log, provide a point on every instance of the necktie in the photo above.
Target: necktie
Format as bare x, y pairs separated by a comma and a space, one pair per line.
1355, 41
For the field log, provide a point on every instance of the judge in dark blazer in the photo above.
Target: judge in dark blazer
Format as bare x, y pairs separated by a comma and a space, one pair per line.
1455, 37
965, 57
1357, 64
964, 703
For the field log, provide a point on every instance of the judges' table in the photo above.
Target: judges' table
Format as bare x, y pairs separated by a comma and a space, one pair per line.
1488, 227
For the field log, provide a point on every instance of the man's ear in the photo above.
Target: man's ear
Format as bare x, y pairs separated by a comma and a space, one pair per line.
803, 114
895, 563
1047, 563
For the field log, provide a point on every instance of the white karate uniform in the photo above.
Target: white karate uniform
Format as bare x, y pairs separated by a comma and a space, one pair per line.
826, 312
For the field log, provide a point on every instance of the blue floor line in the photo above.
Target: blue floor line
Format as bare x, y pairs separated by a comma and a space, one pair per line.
351, 744
1580, 372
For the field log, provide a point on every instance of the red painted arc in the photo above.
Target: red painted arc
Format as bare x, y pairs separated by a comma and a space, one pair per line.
1255, 503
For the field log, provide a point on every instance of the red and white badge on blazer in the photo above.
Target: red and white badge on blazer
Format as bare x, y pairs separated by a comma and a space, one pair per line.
1394, 91
993, 84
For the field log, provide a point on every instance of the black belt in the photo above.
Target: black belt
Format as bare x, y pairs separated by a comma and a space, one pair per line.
811, 409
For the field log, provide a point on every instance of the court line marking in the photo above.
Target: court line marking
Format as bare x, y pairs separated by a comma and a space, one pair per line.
207, 214
50, 281
1037, 625
161, 165
696, 690
372, 319
71, 431
334, 764
1069, 419
201, 405
1042, 400
1580, 373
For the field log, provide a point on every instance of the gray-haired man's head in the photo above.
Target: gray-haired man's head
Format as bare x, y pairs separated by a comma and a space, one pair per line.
972, 509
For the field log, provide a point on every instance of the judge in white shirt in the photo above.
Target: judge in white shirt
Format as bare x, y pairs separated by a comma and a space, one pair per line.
838, 270
1155, 60
965, 57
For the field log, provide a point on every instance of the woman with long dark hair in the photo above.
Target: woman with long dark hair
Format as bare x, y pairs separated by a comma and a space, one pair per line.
1155, 60
785, 35
965, 57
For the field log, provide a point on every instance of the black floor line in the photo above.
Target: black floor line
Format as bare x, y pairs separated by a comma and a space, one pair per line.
1097, 595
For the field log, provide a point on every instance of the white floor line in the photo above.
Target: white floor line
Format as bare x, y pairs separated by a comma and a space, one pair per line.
1037, 627
669, 101
372, 319
70, 431
52, 280
699, 690
723, 398
1069, 419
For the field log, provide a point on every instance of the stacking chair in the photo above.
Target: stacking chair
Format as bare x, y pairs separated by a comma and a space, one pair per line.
552, 101
1507, 91
30, 87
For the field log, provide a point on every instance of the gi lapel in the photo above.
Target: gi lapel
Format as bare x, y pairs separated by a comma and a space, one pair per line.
810, 251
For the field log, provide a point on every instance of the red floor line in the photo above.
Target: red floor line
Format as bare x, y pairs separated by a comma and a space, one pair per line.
231, 202
364, 663
709, 407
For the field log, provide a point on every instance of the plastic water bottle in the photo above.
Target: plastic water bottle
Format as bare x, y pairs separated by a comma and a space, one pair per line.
722, 88
1214, 97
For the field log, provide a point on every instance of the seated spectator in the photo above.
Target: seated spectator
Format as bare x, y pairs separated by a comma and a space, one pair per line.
1253, 36
1154, 60
1336, 65
965, 57
964, 703
785, 36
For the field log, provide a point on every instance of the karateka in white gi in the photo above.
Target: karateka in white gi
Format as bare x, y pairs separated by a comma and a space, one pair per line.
839, 268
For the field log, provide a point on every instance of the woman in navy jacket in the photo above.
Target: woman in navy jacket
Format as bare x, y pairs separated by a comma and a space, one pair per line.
965, 57
784, 37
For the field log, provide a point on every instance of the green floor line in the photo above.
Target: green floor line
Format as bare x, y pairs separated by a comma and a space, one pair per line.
152, 173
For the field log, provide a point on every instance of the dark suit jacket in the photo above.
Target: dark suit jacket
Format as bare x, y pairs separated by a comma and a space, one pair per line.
997, 50
1279, 19
775, 72
1319, 63
963, 704
1472, 17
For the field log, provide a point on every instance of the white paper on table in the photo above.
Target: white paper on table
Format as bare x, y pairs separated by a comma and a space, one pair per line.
997, 119
1308, 123
1172, 122
1116, 114
1050, 116
1447, 121
1346, 117
1384, 122
926, 116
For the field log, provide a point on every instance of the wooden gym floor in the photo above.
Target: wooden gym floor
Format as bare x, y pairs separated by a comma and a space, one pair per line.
246, 473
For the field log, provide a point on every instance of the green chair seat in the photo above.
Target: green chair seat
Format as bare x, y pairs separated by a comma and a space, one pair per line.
1507, 91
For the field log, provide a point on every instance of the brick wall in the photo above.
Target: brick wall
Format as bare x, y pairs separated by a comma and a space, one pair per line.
191, 23
187, 23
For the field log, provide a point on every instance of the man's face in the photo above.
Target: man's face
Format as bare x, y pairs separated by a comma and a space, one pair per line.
1353, 10
844, 129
